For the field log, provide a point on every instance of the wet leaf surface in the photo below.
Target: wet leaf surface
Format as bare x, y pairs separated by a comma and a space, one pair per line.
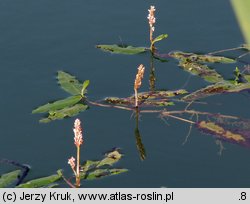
9, 178
147, 99
201, 70
69, 83
219, 88
159, 38
42, 182
57, 105
65, 112
236, 136
97, 169
120, 49
192, 57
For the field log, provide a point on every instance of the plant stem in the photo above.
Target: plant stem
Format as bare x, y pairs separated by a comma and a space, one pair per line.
78, 168
136, 98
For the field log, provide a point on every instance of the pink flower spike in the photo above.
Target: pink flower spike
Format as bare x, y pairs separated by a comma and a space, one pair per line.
78, 133
71, 162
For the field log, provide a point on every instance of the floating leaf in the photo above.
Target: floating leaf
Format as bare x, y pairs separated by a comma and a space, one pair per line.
69, 83
42, 182
152, 98
96, 169
8, 178
99, 173
233, 136
131, 102
160, 94
191, 57
202, 71
57, 105
120, 49
89, 165
159, 38
65, 112
110, 158
219, 88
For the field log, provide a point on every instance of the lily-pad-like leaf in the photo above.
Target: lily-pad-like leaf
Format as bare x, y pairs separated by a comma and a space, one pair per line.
233, 136
8, 178
120, 49
219, 88
201, 70
42, 182
57, 105
159, 38
65, 112
192, 57
100, 173
69, 83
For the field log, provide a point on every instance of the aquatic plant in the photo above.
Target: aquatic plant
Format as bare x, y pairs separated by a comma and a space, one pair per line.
88, 170
131, 50
78, 142
70, 106
198, 64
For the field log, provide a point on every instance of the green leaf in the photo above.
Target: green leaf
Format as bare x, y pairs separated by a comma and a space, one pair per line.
89, 165
201, 70
42, 182
237, 76
192, 57
119, 49
69, 83
100, 173
8, 178
84, 87
110, 158
57, 105
159, 38
96, 169
65, 112
219, 88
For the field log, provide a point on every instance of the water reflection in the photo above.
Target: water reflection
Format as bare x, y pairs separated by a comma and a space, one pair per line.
139, 144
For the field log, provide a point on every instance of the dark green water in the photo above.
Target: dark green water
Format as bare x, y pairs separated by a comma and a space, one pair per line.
38, 38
